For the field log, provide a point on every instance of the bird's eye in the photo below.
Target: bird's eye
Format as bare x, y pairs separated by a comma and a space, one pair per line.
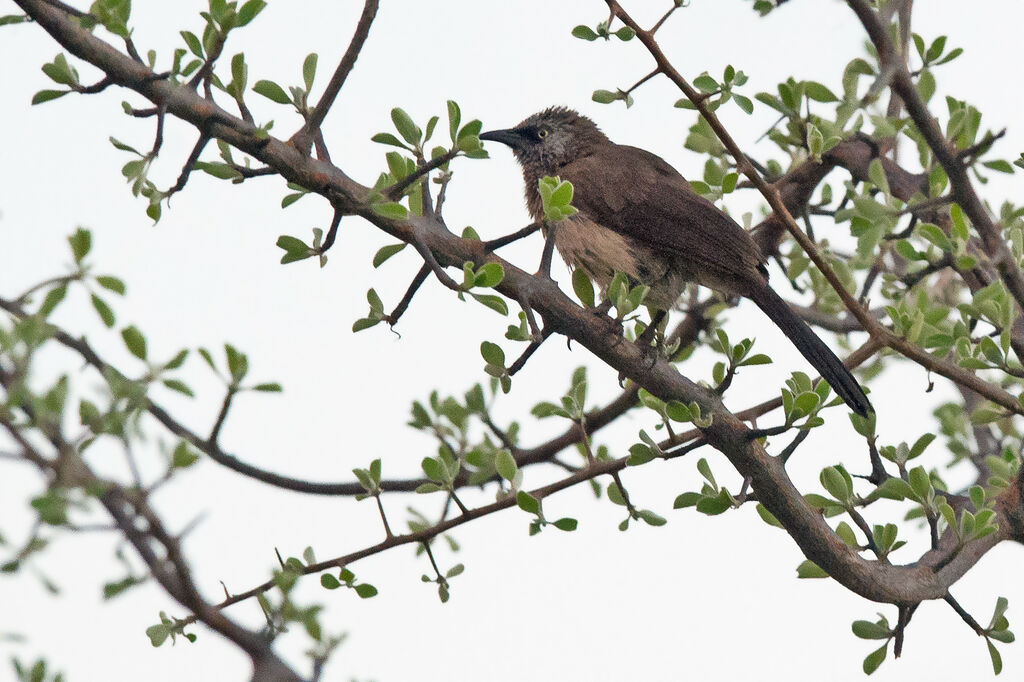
542, 133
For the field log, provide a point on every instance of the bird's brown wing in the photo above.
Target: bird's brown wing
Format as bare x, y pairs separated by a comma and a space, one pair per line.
638, 194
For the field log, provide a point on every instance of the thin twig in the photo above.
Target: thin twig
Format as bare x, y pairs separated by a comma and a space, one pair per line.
304, 137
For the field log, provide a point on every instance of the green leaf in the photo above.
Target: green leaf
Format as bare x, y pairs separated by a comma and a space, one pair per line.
329, 581
178, 386
495, 303
158, 634
583, 287
135, 341
505, 464
365, 590
685, 500
183, 456
385, 252
295, 249
997, 660
566, 524
489, 275
867, 630
584, 33
625, 33
809, 569
111, 284
391, 210
492, 353
604, 96
271, 91
48, 95
818, 92
875, 659
193, 43
767, 516
387, 138
835, 483
527, 502
309, 70
221, 171
238, 362
272, 387
53, 298
81, 243
454, 119
248, 11
651, 518
103, 310
405, 126
744, 103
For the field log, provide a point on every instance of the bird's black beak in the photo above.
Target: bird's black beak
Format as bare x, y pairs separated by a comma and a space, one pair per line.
510, 137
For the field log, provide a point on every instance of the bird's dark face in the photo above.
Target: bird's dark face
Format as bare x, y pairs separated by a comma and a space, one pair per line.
550, 139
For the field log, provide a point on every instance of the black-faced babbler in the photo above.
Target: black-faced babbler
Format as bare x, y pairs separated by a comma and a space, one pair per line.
639, 216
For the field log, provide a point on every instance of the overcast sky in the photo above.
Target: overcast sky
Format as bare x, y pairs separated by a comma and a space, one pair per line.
701, 598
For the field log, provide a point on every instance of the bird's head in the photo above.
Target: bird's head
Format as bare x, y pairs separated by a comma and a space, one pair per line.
549, 139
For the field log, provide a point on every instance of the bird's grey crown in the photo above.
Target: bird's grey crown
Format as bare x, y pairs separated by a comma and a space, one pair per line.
559, 116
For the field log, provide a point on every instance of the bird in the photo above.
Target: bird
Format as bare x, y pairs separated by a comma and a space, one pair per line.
638, 215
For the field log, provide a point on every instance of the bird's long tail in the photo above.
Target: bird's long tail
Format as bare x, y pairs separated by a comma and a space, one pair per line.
813, 348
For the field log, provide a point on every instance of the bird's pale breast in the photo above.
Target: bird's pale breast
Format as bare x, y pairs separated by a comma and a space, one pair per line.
601, 253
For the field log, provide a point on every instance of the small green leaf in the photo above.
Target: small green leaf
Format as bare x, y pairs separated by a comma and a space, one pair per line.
391, 210
505, 464
867, 630
248, 11
103, 310
81, 243
271, 91
111, 284
135, 341
584, 33
566, 524
997, 659
309, 70
405, 126
583, 287
875, 659
492, 353
495, 303
527, 502
818, 92
809, 569
386, 252
365, 590
158, 634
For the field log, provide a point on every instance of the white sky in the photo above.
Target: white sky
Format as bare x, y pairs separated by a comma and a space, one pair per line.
709, 598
